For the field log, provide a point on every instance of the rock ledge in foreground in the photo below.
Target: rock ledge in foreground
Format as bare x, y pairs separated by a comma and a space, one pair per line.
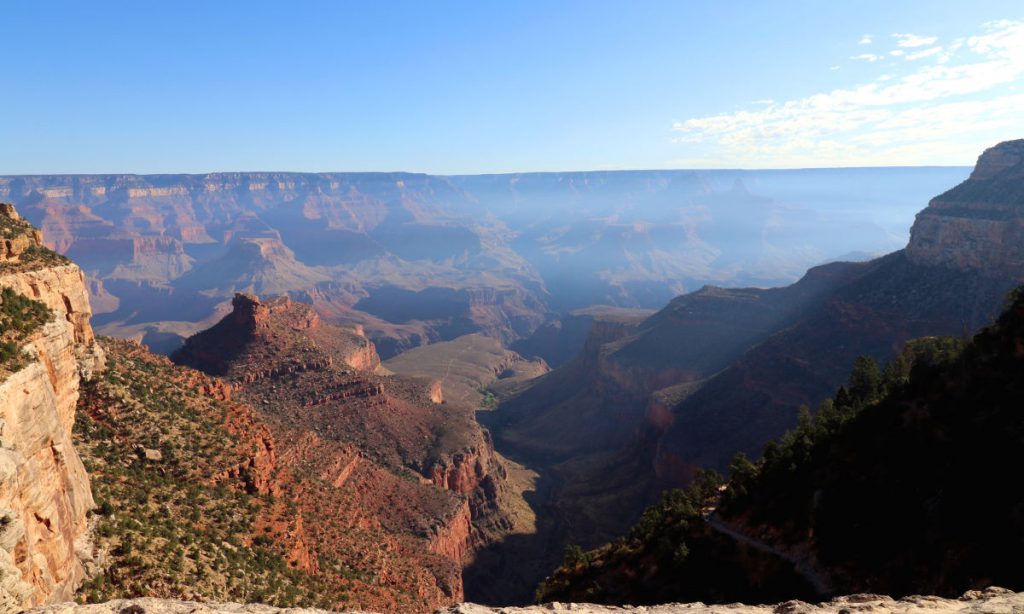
992, 600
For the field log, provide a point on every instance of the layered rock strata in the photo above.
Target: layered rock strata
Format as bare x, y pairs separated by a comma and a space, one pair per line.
44, 489
977, 225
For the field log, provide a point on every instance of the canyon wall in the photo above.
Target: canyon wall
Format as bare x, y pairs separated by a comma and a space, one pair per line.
44, 490
977, 224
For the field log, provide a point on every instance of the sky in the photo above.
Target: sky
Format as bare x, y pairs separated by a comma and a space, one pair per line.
486, 86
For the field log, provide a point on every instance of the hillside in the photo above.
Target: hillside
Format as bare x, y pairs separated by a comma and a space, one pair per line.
200, 497
961, 260
178, 484
310, 376
880, 492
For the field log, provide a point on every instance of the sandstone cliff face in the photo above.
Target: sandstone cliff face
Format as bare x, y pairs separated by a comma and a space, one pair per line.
44, 490
977, 225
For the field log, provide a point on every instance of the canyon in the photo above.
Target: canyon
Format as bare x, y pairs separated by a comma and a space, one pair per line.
874, 493
417, 259
179, 459
649, 402
412, 353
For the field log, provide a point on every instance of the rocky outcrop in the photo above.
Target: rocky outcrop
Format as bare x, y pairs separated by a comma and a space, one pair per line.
978, 224
470, 372
319, 378
44, 490
989, 601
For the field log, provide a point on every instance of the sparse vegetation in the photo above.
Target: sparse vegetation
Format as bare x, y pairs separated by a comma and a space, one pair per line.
191, 523
170, 527
34, 256
489, 401
11, 228
20, 316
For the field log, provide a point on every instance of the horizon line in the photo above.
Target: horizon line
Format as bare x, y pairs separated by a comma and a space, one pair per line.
492, 174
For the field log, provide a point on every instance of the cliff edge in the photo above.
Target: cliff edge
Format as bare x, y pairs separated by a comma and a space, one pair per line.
976, 225
44, 490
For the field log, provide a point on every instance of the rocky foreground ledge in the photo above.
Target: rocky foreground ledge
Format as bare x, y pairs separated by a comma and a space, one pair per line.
989, 601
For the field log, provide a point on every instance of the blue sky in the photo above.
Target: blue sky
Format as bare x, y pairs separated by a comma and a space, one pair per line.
471, 87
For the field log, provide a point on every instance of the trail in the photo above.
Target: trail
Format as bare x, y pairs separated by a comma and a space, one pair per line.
802, 566
451, 361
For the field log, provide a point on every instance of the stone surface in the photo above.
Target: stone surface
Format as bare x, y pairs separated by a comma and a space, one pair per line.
989, 601
44, 490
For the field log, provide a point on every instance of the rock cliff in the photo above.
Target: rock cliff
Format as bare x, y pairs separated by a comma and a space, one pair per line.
978, 224
44, 489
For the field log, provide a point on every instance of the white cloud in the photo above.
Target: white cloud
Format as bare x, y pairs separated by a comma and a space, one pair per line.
924, 53
949, 105
897, 52
867, 57
913, 40
834, 67
866, 39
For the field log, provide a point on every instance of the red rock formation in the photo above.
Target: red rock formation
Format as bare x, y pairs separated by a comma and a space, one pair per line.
455, 540
347, 424
328, 509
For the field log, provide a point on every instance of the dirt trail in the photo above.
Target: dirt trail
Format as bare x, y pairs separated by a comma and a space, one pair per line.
802, 566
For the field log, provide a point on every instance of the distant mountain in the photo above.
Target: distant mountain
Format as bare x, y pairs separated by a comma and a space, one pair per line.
416, 258
898, 486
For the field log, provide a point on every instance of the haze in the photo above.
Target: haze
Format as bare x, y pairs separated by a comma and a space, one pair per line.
407, 307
